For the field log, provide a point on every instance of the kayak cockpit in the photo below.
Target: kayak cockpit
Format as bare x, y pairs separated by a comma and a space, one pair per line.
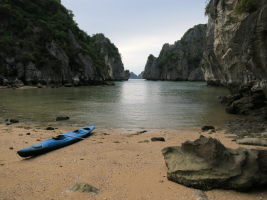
59, 137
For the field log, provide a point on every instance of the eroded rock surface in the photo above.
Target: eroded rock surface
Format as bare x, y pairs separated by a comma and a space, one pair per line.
180, 61
206, 164
51, 49
236, 50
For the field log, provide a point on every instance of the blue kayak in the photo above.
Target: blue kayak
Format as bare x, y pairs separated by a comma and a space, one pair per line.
56, 142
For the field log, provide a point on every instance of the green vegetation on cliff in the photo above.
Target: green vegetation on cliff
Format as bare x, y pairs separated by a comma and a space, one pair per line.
31, 30
28, 25
246, 6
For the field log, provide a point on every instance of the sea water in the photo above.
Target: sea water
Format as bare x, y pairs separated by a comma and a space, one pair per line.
129, 104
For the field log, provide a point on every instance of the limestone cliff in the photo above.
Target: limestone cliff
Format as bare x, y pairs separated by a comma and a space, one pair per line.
236, 52
133, 75
111, 56
180, 61
41, 43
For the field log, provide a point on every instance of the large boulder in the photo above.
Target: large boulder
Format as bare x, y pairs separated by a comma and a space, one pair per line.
244, 100
206, 164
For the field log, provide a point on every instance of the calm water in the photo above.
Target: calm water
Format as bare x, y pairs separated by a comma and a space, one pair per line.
132, 104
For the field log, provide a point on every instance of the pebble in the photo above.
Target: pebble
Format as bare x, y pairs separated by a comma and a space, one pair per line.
145, 141
140, 132
207, 128
62, 118
161, 139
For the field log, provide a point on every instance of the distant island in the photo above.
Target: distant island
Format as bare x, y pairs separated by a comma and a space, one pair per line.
134, 76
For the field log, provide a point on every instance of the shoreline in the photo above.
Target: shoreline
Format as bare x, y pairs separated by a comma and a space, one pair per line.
122, 163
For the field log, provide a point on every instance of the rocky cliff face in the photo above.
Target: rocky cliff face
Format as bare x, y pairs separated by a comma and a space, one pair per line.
180, 61
133, 76
40, 43
140, 76
236, 52
111, 56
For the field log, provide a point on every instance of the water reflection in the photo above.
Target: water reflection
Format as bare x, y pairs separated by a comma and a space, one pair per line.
132, 104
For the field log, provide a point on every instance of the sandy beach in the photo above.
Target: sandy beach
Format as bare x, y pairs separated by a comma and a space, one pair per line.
119, 162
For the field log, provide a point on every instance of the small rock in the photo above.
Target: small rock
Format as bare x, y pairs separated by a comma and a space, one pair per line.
200, 195
82, 159
11, 148
13, 121
28, 133
84, 187
211, 131
39, 85
8, 123
62, 118
252, 141
140, 132
68, 85
105, 134
207, 128
161, 139
38, 140
144, 141
50, 128
116, 142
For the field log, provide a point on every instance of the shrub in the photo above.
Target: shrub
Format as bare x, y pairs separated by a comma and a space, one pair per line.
244, 6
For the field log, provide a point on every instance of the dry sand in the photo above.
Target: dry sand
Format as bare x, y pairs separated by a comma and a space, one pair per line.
112, 160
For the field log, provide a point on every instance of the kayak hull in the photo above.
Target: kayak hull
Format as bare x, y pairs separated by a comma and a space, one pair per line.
56, 143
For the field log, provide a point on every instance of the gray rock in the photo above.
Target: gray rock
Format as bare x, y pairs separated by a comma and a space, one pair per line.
207, 128
62, 118
245, 102
206, 164
144, 141
84, 187
252, 141
180, 61
11, 121
14, 121
158, 139
141, 132
200, 195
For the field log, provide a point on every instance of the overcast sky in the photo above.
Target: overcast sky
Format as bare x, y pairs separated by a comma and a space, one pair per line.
137, 27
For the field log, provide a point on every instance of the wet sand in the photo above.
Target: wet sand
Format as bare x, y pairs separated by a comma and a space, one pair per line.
117, 161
